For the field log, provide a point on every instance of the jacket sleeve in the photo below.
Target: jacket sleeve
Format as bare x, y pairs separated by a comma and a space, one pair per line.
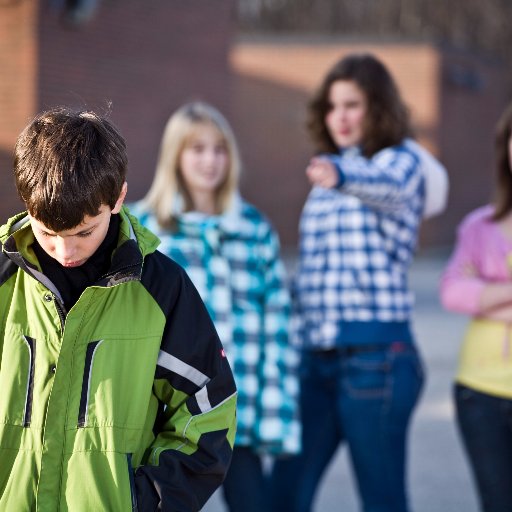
388, 181
278, 425
195, 431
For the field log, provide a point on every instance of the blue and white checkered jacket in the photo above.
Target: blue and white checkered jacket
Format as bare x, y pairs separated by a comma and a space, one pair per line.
233, 260
356, 244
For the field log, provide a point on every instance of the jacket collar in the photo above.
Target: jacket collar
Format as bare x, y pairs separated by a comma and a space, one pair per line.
134, 243
226, 222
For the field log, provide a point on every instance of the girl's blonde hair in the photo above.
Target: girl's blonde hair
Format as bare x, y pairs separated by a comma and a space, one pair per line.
168, 196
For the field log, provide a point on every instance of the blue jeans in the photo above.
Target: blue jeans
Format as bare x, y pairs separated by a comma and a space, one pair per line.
485, 423
244, 487
364, 399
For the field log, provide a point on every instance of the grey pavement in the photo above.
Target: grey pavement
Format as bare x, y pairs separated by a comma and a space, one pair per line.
439, 479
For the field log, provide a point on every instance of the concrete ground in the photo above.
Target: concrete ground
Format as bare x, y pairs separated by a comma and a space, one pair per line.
439, 479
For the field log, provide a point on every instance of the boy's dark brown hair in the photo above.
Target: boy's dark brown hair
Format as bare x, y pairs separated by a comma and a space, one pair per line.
67, 164
503, 199
387, 120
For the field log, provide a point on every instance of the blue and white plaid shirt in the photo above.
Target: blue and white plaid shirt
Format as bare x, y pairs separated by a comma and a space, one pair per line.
233, 260
356, 244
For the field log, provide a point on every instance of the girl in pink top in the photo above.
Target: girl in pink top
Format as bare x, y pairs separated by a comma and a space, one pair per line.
478, 282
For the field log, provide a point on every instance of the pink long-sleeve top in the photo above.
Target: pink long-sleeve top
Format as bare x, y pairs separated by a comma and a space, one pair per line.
483, 254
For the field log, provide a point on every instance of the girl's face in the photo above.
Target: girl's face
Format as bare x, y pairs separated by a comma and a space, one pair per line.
345, 118
204, 160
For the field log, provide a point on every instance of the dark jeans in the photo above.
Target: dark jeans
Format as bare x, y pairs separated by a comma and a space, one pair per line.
244, 486
485, 423
364, 399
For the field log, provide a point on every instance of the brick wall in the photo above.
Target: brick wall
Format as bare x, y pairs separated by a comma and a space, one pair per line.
143, 58
474, 95
140, 60
18, 82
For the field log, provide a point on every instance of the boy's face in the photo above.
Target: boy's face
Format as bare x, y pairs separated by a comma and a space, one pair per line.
73, 247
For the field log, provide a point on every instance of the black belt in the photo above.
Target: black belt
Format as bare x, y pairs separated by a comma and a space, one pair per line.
350, 351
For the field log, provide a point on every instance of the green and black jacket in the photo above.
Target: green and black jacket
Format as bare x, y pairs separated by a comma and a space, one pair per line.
124, 402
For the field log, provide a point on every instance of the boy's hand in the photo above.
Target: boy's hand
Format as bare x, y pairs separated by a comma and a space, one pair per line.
322, 172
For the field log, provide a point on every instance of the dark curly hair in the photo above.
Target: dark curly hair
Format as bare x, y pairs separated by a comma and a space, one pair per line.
503, 194
387, 121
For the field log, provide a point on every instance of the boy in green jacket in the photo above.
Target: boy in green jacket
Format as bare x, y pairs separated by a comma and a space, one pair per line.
115, 392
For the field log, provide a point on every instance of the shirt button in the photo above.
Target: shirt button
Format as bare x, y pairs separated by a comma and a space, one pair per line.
48, 297
53, 368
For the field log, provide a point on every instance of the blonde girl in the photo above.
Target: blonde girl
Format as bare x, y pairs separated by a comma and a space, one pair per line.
231, 252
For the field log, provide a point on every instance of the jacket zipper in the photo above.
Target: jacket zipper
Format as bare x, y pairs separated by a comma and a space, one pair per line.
60, 311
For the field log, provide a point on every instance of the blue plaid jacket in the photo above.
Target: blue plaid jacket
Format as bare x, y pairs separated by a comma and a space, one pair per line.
356, 244
233, 260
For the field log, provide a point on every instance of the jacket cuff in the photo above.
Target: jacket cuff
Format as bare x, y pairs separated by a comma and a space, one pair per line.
341, 175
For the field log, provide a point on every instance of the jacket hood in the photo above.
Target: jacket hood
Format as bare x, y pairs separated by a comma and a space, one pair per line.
436, 180
132, 229
13, 224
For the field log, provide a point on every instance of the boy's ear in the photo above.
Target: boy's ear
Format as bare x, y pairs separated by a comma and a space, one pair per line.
120, 199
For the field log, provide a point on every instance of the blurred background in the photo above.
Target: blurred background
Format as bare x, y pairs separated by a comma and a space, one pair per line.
259, 61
